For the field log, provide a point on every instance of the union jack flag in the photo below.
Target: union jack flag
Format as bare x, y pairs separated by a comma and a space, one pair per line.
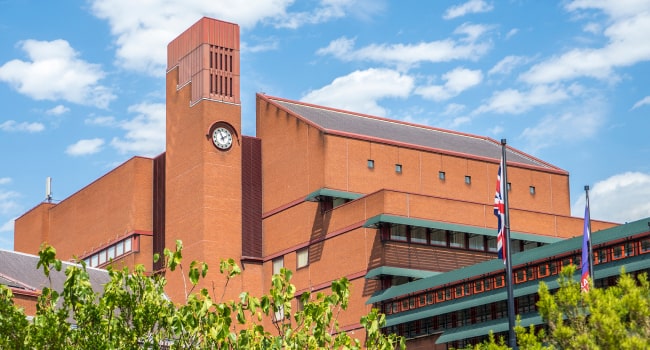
500, 212
585, 261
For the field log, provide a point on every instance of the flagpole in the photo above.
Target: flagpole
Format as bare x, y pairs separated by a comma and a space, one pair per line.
511, 300
591, 253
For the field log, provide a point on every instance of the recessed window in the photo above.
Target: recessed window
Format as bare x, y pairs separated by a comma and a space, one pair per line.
302, 258
127, 245
419, 235
468, 179
398, 233
509, 186
371, 164
532, 189
278, 264
441, 175
398, 168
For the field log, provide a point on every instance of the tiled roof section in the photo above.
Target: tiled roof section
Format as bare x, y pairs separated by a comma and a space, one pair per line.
390, 131
19, 270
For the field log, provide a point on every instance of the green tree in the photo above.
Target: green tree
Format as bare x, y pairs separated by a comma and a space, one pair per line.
617, 317
133, 313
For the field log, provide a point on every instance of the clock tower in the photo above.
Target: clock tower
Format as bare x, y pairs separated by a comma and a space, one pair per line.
202, 177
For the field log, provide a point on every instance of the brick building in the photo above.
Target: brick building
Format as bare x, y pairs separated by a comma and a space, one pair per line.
324, 192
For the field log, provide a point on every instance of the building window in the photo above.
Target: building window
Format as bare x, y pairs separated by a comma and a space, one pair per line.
492, 244
476, 242
419, 235
111, 252
508, 186
102, 257
127, 245
398, 168
457, 239
441, 175
302, 258
468, 179
371, 164
94, 260
532, 189
119, 249
438, 237
278, 264
645, 245
542, 270
530, 245
398, 233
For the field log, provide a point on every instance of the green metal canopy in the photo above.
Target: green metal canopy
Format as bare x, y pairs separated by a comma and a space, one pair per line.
326, 192
374, 221
399, 271
484, 328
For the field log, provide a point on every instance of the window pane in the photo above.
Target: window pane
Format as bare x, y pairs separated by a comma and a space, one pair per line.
102, 257
119, 249
477, 242
492, 244
278, 263
438, 237
419, 235
111, 252
398, 233
530, 245
94, 261
303, 257
127, 245
457, 239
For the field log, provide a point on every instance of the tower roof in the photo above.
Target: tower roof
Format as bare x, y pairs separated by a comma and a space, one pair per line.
361, 126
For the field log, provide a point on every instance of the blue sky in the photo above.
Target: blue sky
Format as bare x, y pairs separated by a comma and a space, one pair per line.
82, 82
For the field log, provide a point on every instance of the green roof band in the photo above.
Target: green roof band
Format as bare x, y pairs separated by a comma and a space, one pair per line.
374, 221
613, 268
484, 328
399, 271
326, 192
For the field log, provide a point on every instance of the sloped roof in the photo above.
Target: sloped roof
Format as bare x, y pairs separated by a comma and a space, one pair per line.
19, 270
357, 125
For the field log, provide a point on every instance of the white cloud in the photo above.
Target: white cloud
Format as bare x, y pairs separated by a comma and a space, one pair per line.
627, 45
12, 125
466, 47
507, 64
7, 227
68, 77
457, 81
5, 180
85, 147
101, 121
512, 32
453, 109
329, 10
571, 126
145, 133
513, 101
360, 90
143, 29
642, 102
472, 6
619, 198
58, 110
8, 203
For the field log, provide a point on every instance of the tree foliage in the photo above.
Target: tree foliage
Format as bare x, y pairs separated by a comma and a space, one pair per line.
133, 313
617, 317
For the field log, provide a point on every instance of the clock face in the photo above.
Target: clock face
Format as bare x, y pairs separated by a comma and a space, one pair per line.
222, 138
